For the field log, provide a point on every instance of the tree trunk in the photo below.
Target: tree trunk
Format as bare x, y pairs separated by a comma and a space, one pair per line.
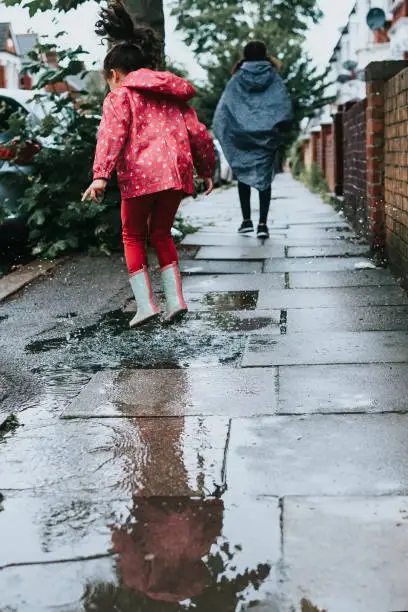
148, 12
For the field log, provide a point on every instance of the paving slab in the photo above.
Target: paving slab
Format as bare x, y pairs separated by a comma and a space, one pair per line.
326, 348
347, 318
358, 547
13, 282
319, 455
248, 322
324, 239
223, 301
316, 222
296, 232
343, 388
246, 558
336, 297
318, 264
225, 240
232, 282
220, 267
351, 278
336, 250
145, 457
163, 393
231, 229
241, 253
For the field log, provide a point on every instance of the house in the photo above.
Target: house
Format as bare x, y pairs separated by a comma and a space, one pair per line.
26, 43
359, 44
10, 61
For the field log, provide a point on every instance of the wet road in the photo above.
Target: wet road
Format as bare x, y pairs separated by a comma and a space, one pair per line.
252, 457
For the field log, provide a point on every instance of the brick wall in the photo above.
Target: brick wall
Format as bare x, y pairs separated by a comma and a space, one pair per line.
307, 151
396, 170
355, 167
328, 156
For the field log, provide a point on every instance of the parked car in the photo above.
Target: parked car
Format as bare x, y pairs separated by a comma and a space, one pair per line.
15, 167
224, 172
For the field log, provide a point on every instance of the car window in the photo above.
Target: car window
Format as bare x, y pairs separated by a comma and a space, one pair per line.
7, 108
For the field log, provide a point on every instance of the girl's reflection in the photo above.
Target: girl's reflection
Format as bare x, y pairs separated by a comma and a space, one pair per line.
162, 547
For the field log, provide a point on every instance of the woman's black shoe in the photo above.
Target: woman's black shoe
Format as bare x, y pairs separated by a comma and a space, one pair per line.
246, 227
263, 231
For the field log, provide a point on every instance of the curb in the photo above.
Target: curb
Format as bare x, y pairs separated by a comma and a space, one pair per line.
13, 282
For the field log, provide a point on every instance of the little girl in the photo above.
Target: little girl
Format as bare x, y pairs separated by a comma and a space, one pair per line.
153, 140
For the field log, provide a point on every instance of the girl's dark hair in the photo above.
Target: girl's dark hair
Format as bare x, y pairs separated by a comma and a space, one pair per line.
134, 46
256, 51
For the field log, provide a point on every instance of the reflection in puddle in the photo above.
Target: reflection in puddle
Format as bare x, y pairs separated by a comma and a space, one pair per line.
171, 556
232, 300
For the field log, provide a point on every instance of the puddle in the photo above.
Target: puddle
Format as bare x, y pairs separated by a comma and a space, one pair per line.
149, 496
172, 556
232, 300
3, 318
110, 343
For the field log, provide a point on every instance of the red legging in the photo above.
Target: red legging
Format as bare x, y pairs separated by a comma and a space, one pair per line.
161, 207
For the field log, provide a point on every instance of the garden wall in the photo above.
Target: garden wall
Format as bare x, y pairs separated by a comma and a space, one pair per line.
396, 170
355, 166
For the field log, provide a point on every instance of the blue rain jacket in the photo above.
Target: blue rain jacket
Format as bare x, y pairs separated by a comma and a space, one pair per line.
248, 122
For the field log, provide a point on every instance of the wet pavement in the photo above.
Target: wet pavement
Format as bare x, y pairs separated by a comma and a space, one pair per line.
252, 457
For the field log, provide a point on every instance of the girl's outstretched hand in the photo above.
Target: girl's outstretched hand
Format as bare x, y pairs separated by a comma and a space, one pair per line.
209, 183
96, 189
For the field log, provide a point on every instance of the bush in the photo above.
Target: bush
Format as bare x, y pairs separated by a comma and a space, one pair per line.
316, 181
296, 160
51, 205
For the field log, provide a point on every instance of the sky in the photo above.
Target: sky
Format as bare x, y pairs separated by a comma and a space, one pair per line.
79, 24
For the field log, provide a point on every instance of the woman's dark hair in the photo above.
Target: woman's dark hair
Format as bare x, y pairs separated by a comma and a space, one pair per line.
256, 51
134, 46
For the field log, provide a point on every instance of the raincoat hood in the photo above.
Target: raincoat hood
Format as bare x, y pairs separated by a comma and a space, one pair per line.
160, 83
256, 76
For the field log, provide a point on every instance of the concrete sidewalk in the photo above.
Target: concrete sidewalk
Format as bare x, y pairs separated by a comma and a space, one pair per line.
251, 458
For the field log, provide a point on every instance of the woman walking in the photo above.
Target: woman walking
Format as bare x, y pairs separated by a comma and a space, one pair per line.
254, 110
153, 140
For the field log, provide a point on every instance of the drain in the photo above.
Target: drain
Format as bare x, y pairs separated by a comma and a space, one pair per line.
283, 323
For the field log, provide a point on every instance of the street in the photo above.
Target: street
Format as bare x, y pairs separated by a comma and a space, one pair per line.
251, 457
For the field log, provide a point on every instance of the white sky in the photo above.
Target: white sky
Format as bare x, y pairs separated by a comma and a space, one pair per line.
79, 25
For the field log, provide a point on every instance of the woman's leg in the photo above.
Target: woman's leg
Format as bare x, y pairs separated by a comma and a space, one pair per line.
245, 199
135, 214
164, 210
264, 205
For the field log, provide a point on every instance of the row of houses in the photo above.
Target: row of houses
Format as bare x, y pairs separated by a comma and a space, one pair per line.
361, 42
360, 142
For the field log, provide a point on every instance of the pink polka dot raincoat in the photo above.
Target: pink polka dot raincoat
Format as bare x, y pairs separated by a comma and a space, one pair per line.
151, 136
